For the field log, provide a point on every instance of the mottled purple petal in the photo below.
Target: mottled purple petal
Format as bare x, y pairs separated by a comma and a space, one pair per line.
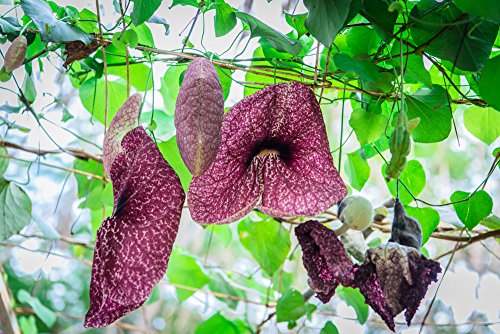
424, 272
133, 246
125, 120
324, 258
199, 111
274, 154
367, 281
394, 278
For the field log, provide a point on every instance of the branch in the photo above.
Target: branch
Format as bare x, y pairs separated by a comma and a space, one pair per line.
72, 170
7, 315
77, 153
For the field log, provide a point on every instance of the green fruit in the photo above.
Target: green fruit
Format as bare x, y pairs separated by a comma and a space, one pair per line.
400, 146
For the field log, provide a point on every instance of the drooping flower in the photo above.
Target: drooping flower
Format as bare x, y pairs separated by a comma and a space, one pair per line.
393, 277
274, 155
134, 244
398, 275
324, 258
199, 110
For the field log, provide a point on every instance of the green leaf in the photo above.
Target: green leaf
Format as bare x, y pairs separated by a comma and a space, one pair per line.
357, 170
492, 222
165, 124
283, 281
277, 40
480, 8
127, 38
362, 40
428, 218
92, 95
15, 209
52, 29
4, 162
192, 3
253, 77
490, 81
378, 11
291, 306
473, 211
415, 70
29, 89
483, 123
46, 315
432, 107
141, 76
170, 84
9, 25
355, 299
85, 183
87, 21
326, 18
161, 21
413, 176
223, 232
217, 324
364, 68
267, 241
329, 328
225, 19
170, 152
184, 270
368, 126
466, 43
143, 10
219, 284
297, 22
28, 325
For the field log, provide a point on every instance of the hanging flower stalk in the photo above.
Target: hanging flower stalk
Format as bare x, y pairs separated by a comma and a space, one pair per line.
274, 155
393, 278
134, 244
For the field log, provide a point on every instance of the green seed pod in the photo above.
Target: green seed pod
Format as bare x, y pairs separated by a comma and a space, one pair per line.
399, 147
16, 53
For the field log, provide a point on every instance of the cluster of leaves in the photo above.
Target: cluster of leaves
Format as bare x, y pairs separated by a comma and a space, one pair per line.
439, 58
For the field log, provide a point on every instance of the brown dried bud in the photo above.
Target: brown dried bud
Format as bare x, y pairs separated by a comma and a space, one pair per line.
16, 53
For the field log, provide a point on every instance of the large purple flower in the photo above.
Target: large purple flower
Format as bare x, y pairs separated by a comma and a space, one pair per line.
274, 155
324, 258
134, 244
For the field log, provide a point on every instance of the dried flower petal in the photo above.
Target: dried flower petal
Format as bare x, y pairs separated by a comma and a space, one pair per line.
14, 57
369, 285
199, 110
274, 154
394, 278
133, 246
405, 229
324, 258
125, 120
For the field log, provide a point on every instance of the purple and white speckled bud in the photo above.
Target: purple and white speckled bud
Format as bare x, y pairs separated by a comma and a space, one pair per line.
14, 57
199, 110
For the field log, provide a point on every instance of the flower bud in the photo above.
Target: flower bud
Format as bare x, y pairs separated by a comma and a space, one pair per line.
16, 53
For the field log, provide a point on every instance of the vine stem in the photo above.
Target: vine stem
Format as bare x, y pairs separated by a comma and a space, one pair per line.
122, 12
439, 285
105, 67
